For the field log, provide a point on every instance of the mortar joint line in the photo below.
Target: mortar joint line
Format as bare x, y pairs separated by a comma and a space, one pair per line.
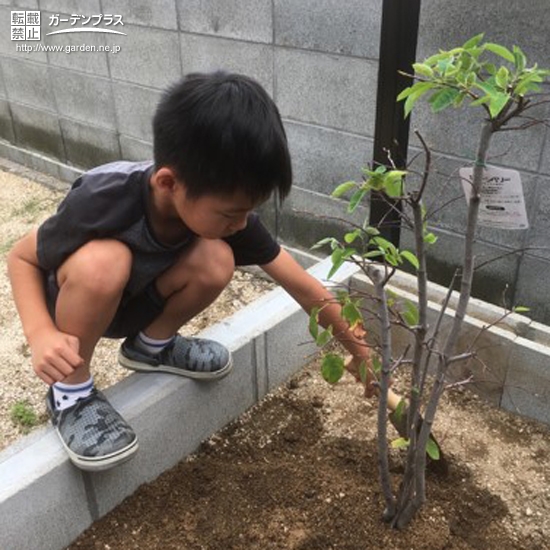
255, 377
267, 383
91, 496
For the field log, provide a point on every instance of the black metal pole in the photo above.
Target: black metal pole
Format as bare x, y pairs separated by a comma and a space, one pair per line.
398, 39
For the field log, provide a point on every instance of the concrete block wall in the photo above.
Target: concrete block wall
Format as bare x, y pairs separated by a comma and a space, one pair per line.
453, 137
510, 364
319, 61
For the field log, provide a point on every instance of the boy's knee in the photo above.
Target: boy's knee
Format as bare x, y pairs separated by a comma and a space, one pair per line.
218, 264
102, 266
208, 267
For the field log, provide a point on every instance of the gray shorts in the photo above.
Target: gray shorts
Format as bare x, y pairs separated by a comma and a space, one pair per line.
134, 313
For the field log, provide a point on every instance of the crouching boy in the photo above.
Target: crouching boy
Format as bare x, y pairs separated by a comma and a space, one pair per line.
136, 250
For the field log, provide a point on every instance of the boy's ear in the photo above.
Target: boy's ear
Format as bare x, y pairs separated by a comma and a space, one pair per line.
165, 179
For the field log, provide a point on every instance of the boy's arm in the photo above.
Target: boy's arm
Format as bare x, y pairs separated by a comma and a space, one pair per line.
309, 292
54, 353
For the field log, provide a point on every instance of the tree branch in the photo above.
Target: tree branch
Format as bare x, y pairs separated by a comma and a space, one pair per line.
383, 462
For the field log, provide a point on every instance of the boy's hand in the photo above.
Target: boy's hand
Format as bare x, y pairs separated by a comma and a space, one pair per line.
353, 364
55, 355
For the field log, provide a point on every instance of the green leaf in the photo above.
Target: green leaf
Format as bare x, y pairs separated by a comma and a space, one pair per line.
466, 63
525, 87
376, 182
391, 255
519, 59
323, 242
411, 258
487, 87
471, 79
433, 59
405, 92
324, 337
400, 410
503, 77
497, 103
444, 64
430, 238
490, 68
341, 295
372, 231
351, 313
356, 198
384, 244
392, 259
459, 99
527, 82
393, 183
432, 449
417, 91
373, 254
423, 69
400, 443
344, 188
475, 53
474, 41
443, 99
332, 368
501, 51
480, 101
352, 236
394, 188
314, 322
396, 174
411, 314
348, 252
338, 259
521, 309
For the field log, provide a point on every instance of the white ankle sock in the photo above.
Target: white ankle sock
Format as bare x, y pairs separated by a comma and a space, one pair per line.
66, 395
151, 345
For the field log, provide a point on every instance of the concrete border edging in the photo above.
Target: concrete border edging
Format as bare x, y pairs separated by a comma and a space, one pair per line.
47, 170
45, 502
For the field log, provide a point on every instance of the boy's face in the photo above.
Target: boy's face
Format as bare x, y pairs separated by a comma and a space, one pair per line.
213, 216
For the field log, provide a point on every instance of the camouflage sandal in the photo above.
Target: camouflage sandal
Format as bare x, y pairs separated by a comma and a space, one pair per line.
93, 433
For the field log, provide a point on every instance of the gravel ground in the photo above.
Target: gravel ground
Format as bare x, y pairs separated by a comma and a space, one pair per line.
26, 199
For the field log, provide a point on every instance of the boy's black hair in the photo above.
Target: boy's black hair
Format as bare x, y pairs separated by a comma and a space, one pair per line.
222, 133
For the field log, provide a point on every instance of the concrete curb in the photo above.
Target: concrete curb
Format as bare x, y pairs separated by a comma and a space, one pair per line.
45, 502
44, 169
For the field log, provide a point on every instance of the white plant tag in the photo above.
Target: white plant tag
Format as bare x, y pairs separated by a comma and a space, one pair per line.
502, 204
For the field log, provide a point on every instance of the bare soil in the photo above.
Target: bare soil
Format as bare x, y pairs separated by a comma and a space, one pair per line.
299, 471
